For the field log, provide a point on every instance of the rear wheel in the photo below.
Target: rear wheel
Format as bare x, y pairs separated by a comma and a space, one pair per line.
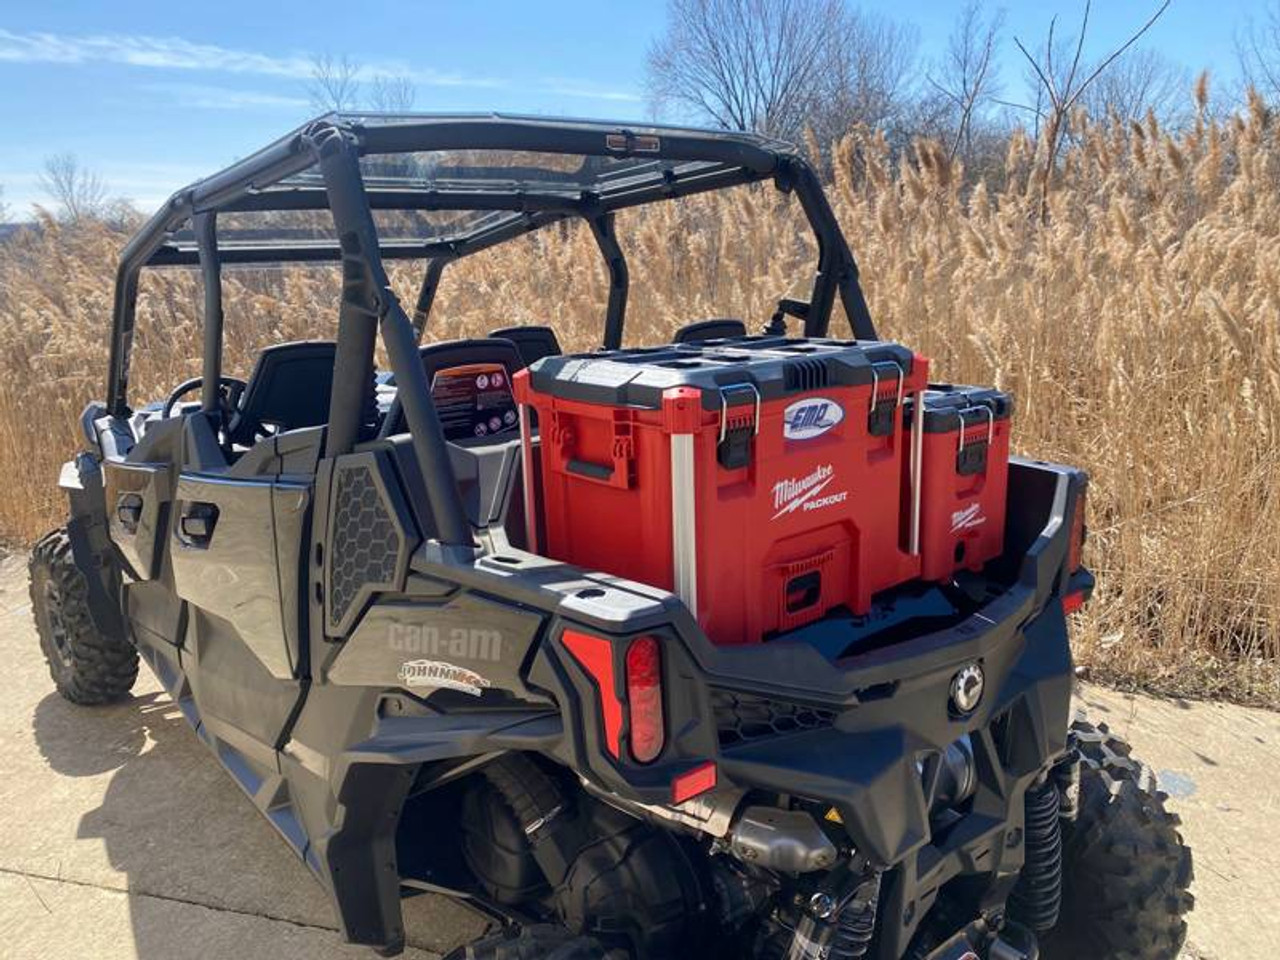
535, 943
1126, 868
87, 667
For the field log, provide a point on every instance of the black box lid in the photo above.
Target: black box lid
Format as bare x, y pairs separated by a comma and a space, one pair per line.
776, 366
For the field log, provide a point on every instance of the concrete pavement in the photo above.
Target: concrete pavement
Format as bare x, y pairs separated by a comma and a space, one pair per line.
121, 837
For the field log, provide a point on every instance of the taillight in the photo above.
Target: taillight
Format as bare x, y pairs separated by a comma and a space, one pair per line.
644, 697
1075, 547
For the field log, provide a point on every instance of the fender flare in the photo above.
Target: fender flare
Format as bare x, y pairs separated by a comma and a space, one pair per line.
91, 545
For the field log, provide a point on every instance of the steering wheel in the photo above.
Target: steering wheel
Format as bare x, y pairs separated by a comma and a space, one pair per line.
230, 389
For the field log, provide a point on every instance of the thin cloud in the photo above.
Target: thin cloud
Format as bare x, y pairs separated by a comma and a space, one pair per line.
175, 53
164, 53
198, 96
178, 54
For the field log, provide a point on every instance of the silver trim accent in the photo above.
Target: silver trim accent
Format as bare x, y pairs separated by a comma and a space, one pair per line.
917, 473
684, 534
724, 408
875, 382
526, 464
991, 424
709, 813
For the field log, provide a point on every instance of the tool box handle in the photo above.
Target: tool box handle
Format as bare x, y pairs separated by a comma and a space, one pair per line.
875, 382
616, 471
883, 424
724, 407
733, 450
991, 424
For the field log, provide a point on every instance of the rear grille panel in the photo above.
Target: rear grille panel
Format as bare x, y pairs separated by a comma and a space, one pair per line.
746, 718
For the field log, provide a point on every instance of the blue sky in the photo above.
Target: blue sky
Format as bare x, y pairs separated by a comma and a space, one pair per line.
153, 95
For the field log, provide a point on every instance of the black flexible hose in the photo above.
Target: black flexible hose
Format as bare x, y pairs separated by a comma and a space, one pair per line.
1037, 899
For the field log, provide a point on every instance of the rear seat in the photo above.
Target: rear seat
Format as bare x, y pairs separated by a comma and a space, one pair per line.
533, 343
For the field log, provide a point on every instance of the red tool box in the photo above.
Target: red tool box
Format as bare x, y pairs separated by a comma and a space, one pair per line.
965, 477
760, 478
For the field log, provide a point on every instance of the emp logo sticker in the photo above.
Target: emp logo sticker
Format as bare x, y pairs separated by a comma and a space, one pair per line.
810, 417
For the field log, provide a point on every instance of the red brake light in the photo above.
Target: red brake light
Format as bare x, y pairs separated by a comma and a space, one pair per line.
644, 696
694, 783
1075, 548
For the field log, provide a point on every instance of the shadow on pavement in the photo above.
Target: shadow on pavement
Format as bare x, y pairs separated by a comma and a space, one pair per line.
179, 830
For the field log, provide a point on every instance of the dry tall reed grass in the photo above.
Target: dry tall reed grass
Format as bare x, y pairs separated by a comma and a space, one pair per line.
1139, 330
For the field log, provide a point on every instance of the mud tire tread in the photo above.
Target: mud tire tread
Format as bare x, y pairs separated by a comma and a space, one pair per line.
89, 668
1126, 868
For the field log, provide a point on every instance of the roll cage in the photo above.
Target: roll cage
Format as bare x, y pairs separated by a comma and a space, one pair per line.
318, 168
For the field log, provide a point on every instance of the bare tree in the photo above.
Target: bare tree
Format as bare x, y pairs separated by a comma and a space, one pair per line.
777, 66
1258, 47
1060, 84
4, 208
966, 78
869, 68
335, 83
391, 93
744, 64
1141, 81
79, 192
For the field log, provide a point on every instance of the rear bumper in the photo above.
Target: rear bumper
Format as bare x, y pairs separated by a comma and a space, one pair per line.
855, 735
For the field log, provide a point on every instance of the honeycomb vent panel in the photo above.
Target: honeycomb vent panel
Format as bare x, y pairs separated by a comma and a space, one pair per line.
366, 541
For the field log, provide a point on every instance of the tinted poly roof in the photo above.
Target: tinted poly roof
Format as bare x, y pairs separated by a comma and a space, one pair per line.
439, 182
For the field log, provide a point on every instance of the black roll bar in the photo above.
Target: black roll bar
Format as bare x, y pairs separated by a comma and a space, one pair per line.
205, 226
837, 270
619, 278
369, 306
427, 293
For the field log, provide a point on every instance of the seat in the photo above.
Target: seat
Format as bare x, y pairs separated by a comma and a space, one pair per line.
487, 466
710, 330
289, 388
534, 343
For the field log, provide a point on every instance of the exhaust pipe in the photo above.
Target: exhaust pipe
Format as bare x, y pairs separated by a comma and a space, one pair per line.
788, 841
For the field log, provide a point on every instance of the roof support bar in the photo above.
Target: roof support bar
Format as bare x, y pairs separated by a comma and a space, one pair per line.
206, 230
369, 306
837, 270
427, 293
619, 278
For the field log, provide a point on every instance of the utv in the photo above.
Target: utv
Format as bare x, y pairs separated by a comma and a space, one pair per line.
752, 644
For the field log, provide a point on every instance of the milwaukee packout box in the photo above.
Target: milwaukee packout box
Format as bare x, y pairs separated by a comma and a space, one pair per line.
760, 478
964, 477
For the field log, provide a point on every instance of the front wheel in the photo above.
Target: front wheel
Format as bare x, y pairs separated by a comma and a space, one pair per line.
87, 667
1126, 870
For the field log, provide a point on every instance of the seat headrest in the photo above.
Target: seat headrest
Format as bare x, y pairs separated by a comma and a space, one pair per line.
710, 330
534, 343
289, 388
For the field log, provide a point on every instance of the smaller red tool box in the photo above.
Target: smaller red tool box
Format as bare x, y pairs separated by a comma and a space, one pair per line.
759, 478
965, 477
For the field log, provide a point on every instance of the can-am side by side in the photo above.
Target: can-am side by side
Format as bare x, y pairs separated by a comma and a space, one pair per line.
752, 644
